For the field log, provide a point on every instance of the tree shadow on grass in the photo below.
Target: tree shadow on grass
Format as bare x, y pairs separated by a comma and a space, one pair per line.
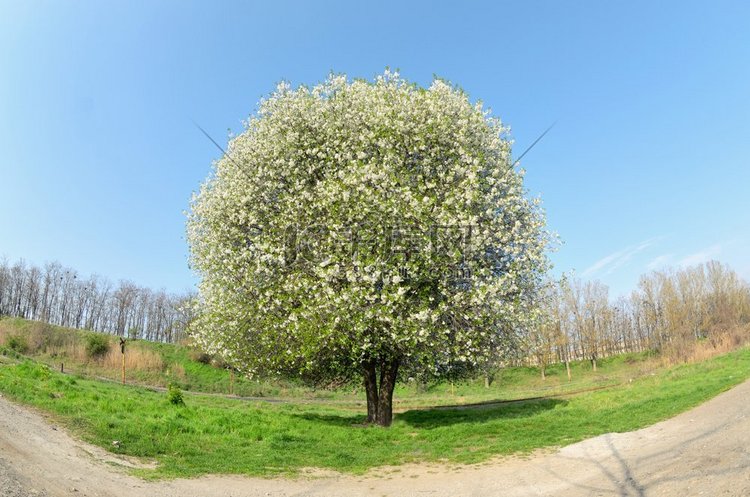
445, 416
477, 413
344, 420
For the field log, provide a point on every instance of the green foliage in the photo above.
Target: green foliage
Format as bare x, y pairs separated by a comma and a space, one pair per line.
258, 438
193, 375
35, 370
174, 395
5, 352
196, 376
97, 345
373, 223
200, 356
18, 343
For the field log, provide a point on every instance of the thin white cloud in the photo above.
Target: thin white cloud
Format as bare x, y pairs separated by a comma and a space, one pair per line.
700, 257
606, 265
659, 262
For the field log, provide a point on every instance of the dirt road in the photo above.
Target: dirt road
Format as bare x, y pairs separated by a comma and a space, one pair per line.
705, 451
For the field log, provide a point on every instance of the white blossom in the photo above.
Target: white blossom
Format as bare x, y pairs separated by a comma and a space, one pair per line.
289, 235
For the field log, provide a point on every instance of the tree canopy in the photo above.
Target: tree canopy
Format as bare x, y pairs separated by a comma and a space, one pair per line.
373, 229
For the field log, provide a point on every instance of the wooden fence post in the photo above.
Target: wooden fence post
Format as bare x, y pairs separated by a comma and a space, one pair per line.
122, 349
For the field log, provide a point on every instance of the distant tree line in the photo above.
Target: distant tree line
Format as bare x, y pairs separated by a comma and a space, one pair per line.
59, 295
668, 312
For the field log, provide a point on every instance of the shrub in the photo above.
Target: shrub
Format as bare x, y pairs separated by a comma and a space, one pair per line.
96, 345
7, 352
174, 395
219, 363
43, 336
17, 343
200, 356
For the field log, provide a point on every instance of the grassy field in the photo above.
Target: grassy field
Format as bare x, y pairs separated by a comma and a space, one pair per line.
148, 363
225, 435
157, 364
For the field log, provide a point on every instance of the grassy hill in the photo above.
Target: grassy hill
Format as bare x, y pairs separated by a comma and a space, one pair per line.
146, 363
210, 434
98, 356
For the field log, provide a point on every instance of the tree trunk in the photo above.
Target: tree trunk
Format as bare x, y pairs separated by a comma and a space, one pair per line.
371, 387
567, 368
388, 375
380, 394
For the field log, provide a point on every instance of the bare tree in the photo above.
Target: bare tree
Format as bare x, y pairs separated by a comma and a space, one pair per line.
58, 295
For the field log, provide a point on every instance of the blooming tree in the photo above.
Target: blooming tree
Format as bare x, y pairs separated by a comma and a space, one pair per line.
365, 229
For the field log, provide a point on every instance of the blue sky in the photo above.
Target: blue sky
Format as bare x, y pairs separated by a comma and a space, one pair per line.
647, 165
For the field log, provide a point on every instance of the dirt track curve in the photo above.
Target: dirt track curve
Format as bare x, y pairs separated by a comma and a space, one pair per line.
704, 451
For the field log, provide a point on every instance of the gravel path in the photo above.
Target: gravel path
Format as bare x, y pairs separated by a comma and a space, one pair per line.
705, 451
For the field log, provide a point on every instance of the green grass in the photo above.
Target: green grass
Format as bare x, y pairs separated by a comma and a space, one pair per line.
180, 368
219, 435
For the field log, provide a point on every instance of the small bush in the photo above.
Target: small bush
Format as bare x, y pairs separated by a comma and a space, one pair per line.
42, 336
174, 395
17, 343
96, 345
200, 356
219, 363
8, 352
